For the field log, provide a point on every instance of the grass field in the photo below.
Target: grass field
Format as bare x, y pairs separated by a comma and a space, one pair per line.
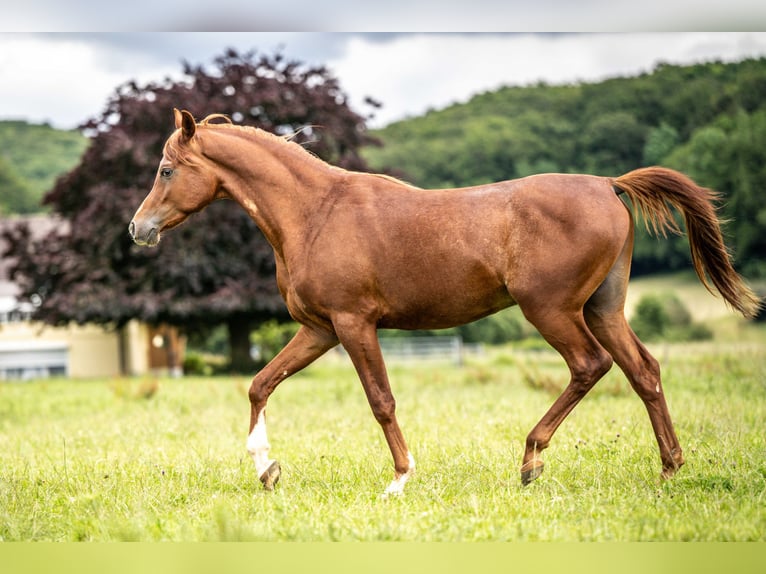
150, 460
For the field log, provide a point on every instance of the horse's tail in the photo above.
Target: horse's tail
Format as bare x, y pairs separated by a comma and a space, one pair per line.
653, 190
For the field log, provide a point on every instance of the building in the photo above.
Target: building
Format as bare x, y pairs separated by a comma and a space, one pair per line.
30, 349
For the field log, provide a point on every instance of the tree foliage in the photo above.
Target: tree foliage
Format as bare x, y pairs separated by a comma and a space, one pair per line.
32, 156
665, 317
16, 196
217, 267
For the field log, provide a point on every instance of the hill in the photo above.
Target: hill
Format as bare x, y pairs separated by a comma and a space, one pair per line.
707, 120
32, 156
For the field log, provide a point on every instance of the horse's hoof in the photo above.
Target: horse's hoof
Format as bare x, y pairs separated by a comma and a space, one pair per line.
669, 472
271, 476
529, 474
670, 469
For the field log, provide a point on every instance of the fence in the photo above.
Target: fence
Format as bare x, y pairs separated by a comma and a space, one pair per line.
424, 348
447, 348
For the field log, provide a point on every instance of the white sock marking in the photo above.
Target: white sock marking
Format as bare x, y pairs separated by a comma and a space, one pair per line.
258, 445
396, 487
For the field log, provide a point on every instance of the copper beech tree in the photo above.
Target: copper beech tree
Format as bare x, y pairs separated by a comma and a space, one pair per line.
217, 268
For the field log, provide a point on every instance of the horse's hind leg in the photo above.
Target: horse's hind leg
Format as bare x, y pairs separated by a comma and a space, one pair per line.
605, 316
587, 361
307, 346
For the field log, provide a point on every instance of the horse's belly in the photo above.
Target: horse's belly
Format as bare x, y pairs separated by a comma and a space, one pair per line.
443, 308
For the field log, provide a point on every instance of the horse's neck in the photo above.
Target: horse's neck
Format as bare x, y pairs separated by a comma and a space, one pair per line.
277, 184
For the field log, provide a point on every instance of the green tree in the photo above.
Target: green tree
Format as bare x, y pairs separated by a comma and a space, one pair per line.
650, 320
613, 143
493, 330
39, 154
664, 316
730, 156
15, 195
746, 207
660, 142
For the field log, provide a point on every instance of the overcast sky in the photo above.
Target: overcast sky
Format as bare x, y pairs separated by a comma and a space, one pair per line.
65, 77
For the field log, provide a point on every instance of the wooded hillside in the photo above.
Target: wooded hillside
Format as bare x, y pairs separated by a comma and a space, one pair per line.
32, 156
708, 120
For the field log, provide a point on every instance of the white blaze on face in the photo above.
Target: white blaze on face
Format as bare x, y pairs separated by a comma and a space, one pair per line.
397, 485
258, 445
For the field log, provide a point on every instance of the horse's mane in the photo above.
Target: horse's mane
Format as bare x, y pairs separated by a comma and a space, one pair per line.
177, 151
175, 148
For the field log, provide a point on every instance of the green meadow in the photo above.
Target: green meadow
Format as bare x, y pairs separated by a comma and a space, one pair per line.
158, 459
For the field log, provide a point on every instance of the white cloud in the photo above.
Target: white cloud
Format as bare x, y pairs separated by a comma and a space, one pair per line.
60, 79
66, 79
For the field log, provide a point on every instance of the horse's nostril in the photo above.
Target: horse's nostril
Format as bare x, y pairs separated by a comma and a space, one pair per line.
132, 229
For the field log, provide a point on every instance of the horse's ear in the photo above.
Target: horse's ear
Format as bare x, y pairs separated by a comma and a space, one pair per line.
185, 121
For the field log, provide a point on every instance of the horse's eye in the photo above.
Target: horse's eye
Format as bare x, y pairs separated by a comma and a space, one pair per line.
166, 172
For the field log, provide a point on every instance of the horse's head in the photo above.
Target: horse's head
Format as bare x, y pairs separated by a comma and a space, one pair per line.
184, 184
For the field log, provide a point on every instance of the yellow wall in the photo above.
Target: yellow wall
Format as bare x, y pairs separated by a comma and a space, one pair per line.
93, 350
136, 345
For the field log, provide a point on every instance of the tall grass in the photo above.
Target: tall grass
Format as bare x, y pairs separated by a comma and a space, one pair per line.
164, 459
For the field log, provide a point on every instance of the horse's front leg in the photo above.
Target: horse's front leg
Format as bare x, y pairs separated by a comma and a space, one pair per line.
360, 340
305, 347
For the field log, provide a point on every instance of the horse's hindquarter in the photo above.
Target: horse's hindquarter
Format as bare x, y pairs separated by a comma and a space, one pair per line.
432, 259
568, 232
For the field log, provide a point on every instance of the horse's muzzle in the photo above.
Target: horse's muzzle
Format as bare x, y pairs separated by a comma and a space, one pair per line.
144, 234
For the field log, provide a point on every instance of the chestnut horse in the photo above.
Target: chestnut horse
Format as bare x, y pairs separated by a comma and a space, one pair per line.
356, 252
